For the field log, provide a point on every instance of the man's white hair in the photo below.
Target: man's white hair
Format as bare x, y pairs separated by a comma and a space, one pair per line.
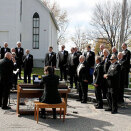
18, 42
82, 56
106, 51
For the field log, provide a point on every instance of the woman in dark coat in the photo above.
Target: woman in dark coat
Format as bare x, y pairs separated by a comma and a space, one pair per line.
50, 94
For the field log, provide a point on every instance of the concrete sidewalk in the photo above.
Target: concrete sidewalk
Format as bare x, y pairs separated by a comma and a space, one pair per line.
80, 117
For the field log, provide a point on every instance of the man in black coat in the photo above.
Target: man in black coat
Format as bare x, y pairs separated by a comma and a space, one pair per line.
50, 58
113, 78
6, 73
63, 62
83, 78
28, 65
126, 58
50, 94
122, 63
4, 50
106, 64
90, 59
19, 54
98, 74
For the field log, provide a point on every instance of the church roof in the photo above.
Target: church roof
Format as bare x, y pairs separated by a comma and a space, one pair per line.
51, 14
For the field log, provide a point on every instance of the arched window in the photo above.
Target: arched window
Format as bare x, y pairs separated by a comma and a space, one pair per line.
36, 25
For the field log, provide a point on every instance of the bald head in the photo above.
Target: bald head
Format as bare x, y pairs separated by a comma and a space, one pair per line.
8, 55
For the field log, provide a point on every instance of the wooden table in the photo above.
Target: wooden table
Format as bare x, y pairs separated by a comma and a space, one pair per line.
34, 91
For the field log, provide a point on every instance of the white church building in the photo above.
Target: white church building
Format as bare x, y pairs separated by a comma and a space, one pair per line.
30, 22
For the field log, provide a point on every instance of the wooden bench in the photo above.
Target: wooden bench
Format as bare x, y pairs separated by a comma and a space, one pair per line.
39, 105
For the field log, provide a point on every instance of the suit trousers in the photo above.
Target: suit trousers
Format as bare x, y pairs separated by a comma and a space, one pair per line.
98, 93
27, 74
126, 82
104, 89
19, 71
112, 100
72, 73
4, 94
83, 89
63, 72
54, 112
121, 93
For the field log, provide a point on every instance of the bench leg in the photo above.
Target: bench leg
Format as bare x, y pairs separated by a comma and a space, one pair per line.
64, 114
37, 114
60, 113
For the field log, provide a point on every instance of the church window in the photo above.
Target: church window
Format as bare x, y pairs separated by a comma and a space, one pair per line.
36, 25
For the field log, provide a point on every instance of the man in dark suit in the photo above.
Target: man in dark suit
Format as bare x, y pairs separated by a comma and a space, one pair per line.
50, 58
126, 58
90, 59
19, 54
106, 64
113, 78
71, 67
4, 50
100, 53
6, 73
28, 65
98, 74
122, 63
63, 62
83, 78
50, 94
77, 54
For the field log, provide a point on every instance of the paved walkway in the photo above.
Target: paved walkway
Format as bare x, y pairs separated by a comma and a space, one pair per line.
81, 117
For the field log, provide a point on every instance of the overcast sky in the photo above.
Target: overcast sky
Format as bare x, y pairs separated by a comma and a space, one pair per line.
79, 12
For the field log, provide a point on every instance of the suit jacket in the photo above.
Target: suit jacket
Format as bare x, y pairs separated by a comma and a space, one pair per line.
126, 58
3, 51
28, 63
122, 64
19, 55
98, 74
50, 94
113, 76
90, 58
106, 64
83, 72
76, 58
50, 60
63, 58
6, 72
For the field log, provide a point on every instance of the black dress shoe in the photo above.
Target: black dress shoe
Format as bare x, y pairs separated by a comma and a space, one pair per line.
83, 101
54, 117
108, 109
113, 112
43, 116
78, 100
6, 108
99, 107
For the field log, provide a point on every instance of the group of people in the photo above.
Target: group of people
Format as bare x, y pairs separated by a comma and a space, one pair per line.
110, 71
11, 63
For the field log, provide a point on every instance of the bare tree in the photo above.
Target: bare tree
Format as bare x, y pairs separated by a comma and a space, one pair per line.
107, 21
61, 18
80, 38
